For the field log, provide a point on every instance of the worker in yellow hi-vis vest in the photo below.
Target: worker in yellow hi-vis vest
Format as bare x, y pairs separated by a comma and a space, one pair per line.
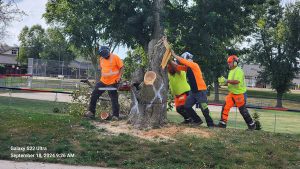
237, 93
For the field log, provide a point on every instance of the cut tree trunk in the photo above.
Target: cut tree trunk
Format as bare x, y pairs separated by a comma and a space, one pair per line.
149, 102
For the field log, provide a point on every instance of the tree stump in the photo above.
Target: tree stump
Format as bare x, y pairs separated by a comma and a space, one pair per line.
149, 102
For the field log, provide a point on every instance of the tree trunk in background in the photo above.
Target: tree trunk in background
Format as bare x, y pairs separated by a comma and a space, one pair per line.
216, 89
94, 59
149, 102
279, 99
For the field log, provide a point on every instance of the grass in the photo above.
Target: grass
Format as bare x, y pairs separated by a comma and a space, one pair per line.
278, 121
264, 98
23, 125
30, 106
265, 94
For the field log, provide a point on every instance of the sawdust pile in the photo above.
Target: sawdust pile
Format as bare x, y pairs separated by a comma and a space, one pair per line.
166, 133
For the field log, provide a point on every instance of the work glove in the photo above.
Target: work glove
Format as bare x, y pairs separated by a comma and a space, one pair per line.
222, 81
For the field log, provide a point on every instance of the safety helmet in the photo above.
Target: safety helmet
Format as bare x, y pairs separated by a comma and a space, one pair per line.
104, 51
234, 59
187, 56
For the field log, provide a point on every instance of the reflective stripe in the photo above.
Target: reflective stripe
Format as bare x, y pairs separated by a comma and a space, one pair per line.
107, 88
110, 73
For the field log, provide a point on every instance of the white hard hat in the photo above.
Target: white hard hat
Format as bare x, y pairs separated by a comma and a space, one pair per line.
187, 56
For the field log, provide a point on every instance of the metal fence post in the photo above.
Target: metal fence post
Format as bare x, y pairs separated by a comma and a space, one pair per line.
55, 99
10, 97
275, 123
235, 117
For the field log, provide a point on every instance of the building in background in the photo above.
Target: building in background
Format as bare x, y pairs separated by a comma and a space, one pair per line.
251, 77
8, 60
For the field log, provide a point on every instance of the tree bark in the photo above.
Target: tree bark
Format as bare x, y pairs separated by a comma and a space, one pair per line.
149, 102
157, 8
279, 99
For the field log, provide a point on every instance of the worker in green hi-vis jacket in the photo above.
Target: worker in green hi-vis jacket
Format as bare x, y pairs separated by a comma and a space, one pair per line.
179, 88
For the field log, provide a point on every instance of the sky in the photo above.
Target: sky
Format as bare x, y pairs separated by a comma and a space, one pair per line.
34, 10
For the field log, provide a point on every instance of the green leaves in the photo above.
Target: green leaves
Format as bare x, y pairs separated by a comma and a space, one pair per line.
38, 43
32, 42
277, 45
261, 23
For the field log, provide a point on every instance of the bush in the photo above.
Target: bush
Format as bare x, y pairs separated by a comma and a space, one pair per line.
81, 99
256, 121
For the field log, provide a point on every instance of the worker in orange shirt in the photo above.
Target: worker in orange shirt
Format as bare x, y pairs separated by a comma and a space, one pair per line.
237, 93
198, 88
112, 68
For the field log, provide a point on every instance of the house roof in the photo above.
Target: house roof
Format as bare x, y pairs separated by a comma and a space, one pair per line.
297, 80
4, 48
251, 70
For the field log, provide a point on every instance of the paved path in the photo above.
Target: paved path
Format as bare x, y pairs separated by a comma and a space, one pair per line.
4, 164
60, 97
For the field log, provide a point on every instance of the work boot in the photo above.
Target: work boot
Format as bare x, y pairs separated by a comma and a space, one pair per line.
222, 124
114, 118
246, 115
186, 121
252, 126
197, 123
211, 125
208, 119
89, 115
196, 120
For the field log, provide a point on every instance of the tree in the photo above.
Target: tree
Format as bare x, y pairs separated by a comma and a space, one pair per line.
56, 47
32, 42
133, 23
8, 13
277, 47
208, 29
135, 59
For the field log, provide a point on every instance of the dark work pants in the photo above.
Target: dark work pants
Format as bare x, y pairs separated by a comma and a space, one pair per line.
181, 110
113, 94
198, 97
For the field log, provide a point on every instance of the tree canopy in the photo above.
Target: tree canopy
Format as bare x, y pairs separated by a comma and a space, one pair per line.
209, 29
277, 46
38, 43
9, 12
32, 42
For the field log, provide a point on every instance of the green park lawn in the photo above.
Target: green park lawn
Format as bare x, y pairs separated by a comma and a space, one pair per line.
278, 121
33, 123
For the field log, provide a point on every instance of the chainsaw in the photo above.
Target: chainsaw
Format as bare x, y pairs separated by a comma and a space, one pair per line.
121, 86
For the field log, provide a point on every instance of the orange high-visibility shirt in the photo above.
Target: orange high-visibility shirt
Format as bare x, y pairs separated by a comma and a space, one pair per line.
110, 69
196, 73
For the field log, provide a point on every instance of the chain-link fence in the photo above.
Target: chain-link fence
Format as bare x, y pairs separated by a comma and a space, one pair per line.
60, 69
50, 74
36, 82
